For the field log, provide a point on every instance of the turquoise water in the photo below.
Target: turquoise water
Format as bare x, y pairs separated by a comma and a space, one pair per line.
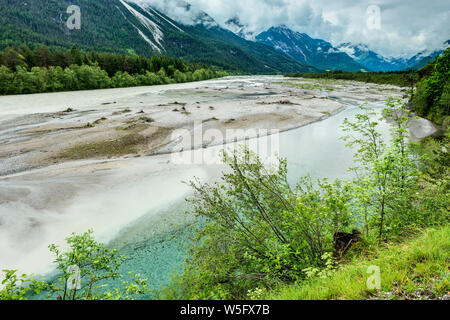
158, 257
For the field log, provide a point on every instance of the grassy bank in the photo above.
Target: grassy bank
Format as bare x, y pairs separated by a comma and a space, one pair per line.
415, 269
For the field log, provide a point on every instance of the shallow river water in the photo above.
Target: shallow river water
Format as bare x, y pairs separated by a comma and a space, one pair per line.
140, 209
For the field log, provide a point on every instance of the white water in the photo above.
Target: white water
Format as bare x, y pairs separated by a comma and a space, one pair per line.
104, 203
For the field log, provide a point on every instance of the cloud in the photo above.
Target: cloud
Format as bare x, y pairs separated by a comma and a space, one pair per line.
175, 9
406, 26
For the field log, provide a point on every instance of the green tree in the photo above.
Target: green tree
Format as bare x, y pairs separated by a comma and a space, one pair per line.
258, 231
76, 55
43, 56
6, 78
55, 79
41, 70
19, 287
124, 79
70, 79
85, 267
386, 172
432, 96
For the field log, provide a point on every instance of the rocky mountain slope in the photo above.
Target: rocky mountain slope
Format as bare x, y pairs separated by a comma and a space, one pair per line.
316, 52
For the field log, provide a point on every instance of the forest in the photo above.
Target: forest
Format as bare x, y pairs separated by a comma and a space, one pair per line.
23, 70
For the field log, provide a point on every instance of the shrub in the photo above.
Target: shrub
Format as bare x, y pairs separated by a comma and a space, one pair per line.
258, 230
83, 270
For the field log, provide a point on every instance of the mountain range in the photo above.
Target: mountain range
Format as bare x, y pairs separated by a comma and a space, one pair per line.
303, 48
322, 55
376, 62
132, 27
135, 27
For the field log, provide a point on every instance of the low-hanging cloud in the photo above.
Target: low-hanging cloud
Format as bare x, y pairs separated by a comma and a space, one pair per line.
406, 26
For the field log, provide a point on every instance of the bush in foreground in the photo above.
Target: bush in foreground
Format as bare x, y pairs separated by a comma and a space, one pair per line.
82, 271
261, 233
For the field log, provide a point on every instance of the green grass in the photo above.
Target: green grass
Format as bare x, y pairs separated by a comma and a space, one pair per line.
127, 144
307, 86
415, 269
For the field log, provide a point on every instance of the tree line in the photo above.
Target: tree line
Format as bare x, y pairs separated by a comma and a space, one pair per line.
398, 78
23, 70
432, 96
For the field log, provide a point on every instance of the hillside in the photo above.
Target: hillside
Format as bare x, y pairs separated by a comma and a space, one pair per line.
423, 58
374, 61
126, 27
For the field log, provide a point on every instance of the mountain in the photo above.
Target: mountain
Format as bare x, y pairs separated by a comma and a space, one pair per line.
371, 60
322, 55
375, 62
138, 28
303, 48
421, 59
179, 10
239, 29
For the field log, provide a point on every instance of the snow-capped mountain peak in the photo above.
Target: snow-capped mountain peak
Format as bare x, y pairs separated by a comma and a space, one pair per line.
239, 29
316, 52
427, 52
377, 62
353, 50
151, 21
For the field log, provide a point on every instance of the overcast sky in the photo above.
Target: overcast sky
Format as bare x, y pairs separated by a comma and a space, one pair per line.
405, 26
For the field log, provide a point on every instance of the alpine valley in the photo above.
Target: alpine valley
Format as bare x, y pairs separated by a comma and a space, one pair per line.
136, 27
240, 150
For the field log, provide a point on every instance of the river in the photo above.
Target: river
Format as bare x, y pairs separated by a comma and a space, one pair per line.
138, 204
